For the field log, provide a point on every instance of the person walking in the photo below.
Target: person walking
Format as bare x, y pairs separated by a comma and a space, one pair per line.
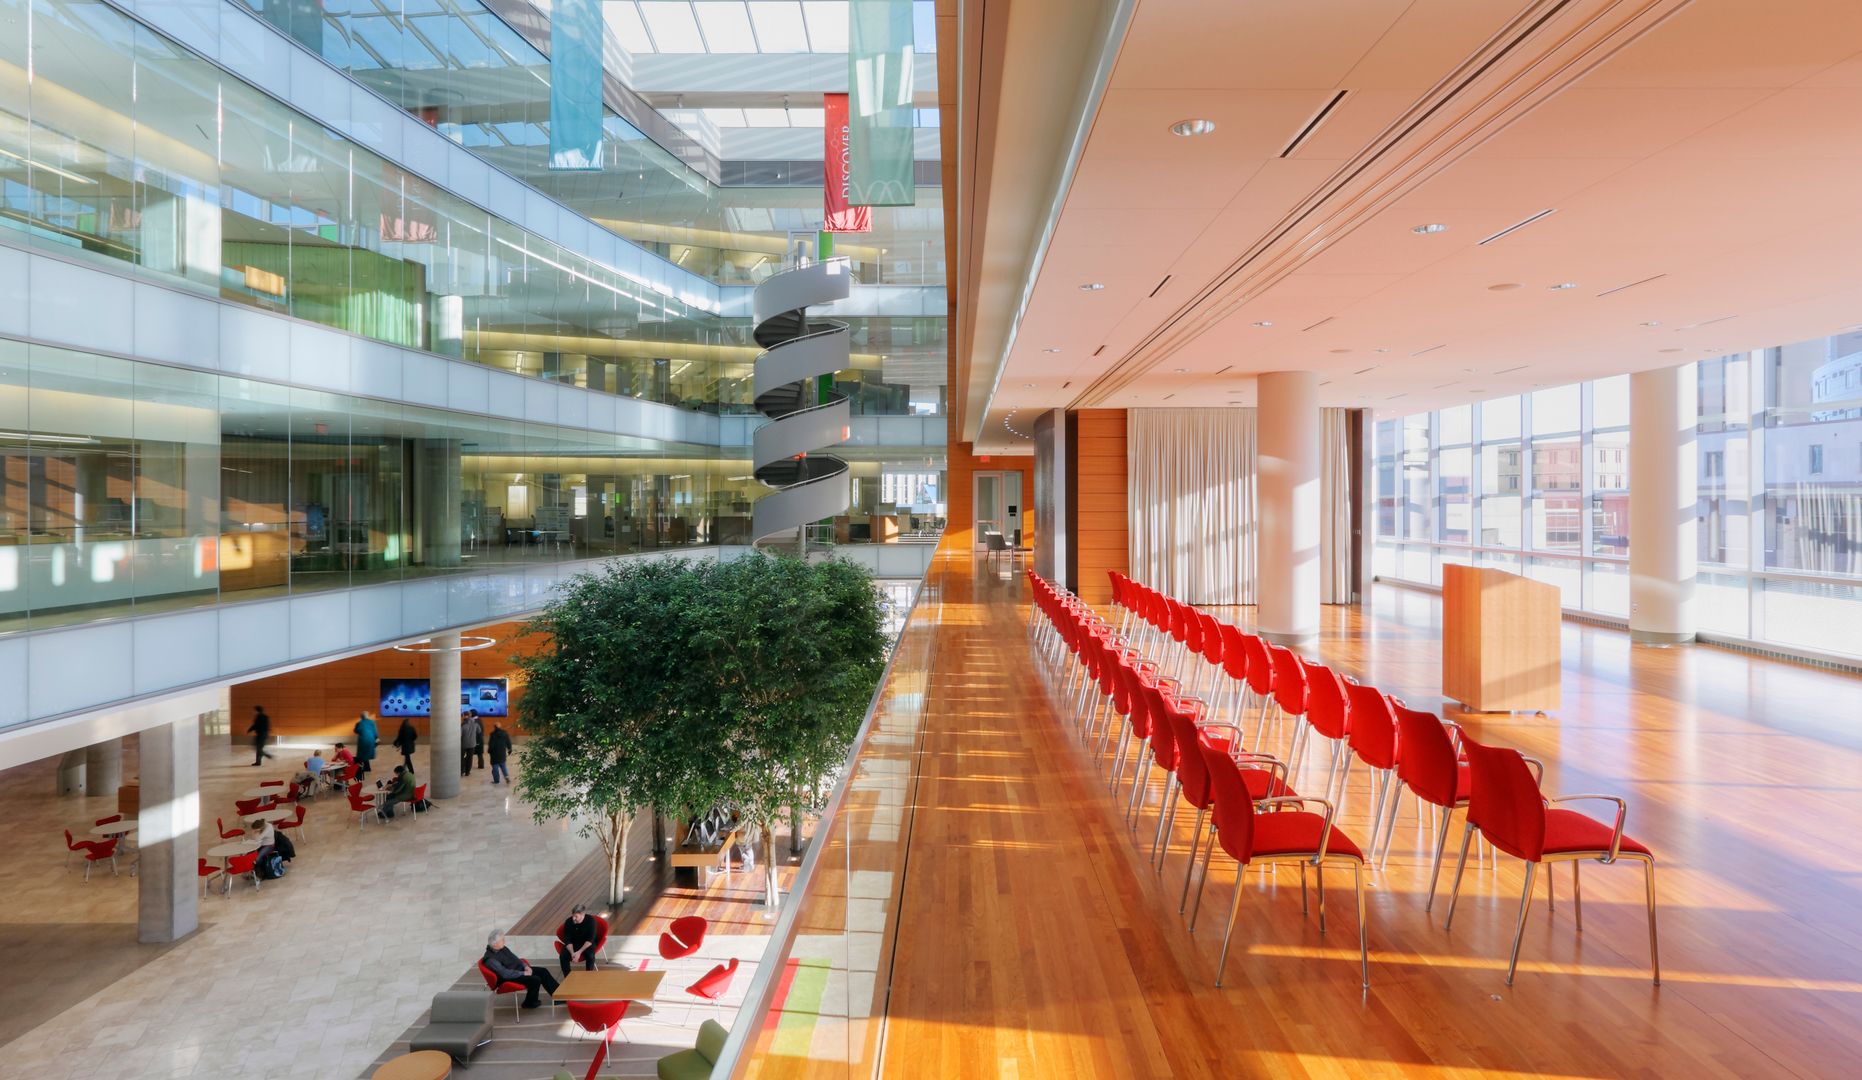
366, 737
498, 745
261, 732
471, 734
478, 746
405, 740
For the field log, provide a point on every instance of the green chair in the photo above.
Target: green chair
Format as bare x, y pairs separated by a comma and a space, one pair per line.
695, 1064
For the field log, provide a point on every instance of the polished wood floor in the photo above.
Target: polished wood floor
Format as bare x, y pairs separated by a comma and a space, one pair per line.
1036, 941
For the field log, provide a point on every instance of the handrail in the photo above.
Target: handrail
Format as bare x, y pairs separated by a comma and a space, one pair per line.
760, 995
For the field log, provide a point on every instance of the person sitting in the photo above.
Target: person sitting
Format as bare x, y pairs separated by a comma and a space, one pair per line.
314, 764
264, 835
509, 967
579, 934
399, 789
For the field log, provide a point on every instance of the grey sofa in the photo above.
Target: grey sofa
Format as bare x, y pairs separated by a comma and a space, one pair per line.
460, 1024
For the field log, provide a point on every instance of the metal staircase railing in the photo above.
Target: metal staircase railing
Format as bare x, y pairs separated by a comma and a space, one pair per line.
797, 351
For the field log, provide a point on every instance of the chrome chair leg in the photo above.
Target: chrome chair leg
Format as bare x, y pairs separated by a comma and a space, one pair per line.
1454, 891
1233, 908
1577, 893
1165, 819
1655, 955
1189, 871
1318, 880
1203, 883
1519, 929
1364, 941
1390, 826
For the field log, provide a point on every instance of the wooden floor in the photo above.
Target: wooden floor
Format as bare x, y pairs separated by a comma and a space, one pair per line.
1036, 941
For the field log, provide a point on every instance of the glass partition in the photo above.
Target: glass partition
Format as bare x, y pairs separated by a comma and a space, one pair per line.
128, 488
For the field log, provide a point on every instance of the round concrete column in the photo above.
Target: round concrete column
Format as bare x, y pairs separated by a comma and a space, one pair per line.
443, 736
103, 768
1287, 503
1663, 488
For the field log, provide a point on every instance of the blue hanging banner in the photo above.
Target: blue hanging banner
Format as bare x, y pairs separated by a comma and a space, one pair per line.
879, 85
575, 84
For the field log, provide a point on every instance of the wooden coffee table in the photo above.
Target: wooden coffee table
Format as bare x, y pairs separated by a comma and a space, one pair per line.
616, 985
419, 1065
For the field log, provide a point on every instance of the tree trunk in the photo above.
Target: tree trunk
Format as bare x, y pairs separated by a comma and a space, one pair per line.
795, 825
772, 897
616, 846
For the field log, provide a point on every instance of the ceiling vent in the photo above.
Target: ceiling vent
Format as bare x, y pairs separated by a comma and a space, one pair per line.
1313, 124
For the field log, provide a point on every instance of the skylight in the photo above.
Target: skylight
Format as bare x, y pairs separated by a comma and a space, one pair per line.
745, 26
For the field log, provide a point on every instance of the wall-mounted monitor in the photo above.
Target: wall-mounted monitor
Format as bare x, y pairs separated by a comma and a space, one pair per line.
414, 697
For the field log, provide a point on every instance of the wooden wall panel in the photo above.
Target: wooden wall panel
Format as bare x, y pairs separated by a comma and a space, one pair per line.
1101, 515
324, 701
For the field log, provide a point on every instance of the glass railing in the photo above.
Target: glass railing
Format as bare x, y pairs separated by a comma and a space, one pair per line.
817, 1004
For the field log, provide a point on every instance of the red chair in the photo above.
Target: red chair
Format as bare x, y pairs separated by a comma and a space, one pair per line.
601, 1018
207, 872
714, 984
1328, 714
1260, 680
1280, 837
1264, 776
363, 805
246, 865
1508, 808
245, 808
1235, 666
601, 939
498, 987
1430, 766
111, 820
296, 823
94, 851
271, 783
226, 833
1212, 655
1373, 740
683, 937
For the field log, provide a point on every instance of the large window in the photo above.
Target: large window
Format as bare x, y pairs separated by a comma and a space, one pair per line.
1540, 484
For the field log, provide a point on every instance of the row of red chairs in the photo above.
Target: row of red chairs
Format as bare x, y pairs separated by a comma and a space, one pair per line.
1434, 759
1255, 816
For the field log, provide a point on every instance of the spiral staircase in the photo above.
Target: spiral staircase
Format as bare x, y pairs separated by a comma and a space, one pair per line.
798, 350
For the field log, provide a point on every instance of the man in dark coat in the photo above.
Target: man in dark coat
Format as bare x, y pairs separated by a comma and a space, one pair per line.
509, 967
405, 740
261, 732
498, 745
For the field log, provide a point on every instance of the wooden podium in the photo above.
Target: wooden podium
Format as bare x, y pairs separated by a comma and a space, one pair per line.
1500, 645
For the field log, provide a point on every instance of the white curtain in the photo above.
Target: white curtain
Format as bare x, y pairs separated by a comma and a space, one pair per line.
1191, 491
1335, 496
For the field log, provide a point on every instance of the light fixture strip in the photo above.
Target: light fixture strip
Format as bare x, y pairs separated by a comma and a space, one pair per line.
1313, 124
1516, 226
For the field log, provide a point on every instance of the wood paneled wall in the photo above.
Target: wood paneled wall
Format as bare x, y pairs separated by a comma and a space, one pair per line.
324, 701
1101, 514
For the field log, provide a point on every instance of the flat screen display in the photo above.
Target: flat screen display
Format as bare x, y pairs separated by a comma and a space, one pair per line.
414, 697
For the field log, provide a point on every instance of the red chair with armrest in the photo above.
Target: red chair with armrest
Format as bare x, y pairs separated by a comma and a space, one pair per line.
94, 851
500, 987
683, 937
595, 950
1507, 806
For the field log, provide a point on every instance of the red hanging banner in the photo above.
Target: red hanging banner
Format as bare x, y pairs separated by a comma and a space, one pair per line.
840, 216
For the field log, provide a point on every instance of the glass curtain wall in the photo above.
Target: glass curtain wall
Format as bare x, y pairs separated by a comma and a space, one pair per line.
128, 488
125, 148
1779, 466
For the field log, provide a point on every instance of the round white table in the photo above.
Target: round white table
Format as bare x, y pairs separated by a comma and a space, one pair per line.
269, 791
115, 828
231, 848
274, 815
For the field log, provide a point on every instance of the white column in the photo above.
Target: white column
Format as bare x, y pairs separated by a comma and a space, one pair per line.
168, 832
1287, 499
1663, 489
443, 738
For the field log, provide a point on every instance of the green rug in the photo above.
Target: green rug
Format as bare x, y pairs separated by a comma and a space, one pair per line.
801, 1006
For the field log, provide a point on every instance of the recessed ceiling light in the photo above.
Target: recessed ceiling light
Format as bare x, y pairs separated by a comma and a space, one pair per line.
1050, 350
1091, 286
1027, 386
1380, 350
1340, 352
1432, 227
1563, 285
1193, 127
1652, 322
1668, 350
1264, 323
1505, 286
1180, 370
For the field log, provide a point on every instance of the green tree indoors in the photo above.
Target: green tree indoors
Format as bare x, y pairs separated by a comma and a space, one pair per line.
690, 684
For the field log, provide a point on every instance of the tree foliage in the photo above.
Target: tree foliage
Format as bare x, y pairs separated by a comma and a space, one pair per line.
689, 684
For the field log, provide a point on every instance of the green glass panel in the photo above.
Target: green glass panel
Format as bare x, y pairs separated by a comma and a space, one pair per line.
879, 102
